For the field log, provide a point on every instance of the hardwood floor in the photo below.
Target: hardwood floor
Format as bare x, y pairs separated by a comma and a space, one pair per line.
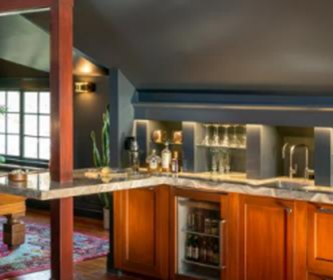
87, 270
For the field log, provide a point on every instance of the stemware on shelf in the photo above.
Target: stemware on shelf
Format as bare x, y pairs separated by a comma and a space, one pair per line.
216, 138
243, 136
225, 140
206, 141
227, 166
214, 152
222, 155
235, 142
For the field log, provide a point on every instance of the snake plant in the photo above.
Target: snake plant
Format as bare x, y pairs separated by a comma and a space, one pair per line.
102, 157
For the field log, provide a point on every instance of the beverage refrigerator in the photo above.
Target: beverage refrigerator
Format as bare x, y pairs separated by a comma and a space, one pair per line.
200, 235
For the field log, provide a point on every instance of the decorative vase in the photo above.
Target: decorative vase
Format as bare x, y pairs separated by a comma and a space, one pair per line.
106, 218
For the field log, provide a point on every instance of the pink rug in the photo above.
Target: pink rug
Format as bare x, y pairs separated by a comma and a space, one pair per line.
34, 255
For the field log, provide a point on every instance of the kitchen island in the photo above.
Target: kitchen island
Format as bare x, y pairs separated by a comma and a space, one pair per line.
291, 217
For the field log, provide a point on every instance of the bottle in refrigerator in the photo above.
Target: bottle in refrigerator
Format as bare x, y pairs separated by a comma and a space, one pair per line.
195, 249
203, 250
216, 253
210, 252
166, 158
189, 247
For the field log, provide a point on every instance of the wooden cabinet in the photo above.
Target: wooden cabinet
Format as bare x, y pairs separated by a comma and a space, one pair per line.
266, 239
141, 229
320, 234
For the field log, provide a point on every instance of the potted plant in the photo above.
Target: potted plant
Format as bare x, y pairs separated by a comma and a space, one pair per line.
102, 160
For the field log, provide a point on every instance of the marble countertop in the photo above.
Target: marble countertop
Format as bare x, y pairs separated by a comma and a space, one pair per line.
40, 187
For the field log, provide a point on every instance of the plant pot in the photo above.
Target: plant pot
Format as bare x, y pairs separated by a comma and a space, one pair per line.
106, 218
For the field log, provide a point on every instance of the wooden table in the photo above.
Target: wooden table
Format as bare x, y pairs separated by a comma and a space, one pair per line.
13, 207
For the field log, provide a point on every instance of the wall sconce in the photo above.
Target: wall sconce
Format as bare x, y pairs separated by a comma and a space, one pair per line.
83, 87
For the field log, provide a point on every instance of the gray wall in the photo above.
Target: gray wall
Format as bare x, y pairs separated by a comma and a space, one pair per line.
88, 111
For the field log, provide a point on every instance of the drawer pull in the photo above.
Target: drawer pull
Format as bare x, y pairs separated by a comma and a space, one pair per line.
325, 210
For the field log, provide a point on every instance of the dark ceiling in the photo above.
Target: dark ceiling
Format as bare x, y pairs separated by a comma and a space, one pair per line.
197, 44
13, 70
210, 44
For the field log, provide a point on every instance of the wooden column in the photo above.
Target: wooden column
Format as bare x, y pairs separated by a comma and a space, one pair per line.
61, 80
62, 239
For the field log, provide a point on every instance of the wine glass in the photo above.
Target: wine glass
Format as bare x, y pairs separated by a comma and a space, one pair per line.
214, 159
206, 140
227, 162
243, 136
216, 138
225, 140
235, 142
222, 155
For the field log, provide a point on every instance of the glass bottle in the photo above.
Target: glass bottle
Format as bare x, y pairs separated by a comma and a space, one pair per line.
216, 253
166, 158
134, 156
175, 163
153, 162
203, 251
210, 251
189, 247
195, 249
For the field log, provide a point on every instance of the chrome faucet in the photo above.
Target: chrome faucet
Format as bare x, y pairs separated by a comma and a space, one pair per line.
307, 170
284, 150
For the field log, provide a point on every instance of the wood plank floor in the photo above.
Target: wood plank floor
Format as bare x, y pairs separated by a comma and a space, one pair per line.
87, 270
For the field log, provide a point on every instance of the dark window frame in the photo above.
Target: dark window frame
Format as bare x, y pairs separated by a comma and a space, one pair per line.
21, 160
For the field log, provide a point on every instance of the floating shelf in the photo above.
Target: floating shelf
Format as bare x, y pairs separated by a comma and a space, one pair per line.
222, 146
163, 143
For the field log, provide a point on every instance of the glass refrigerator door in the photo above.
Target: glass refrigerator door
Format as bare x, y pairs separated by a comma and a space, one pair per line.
199, 239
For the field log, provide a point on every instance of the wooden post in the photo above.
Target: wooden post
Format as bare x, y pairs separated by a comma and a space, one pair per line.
61, 80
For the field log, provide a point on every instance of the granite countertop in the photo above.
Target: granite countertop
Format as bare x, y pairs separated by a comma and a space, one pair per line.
40, 187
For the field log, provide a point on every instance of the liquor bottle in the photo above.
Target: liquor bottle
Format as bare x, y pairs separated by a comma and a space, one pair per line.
175, 163
166, 158
203, 250
210, 252
191, 220
153, 162
189, 248
195, 249
134, 156
216, 253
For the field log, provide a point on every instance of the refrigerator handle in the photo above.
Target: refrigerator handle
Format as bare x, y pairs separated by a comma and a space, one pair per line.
221, 227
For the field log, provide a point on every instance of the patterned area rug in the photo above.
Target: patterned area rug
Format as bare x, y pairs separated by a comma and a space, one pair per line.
34, 255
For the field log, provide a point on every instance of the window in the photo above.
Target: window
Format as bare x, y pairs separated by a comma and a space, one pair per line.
25, 127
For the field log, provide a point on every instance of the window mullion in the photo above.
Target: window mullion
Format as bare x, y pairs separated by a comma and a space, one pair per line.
22, 95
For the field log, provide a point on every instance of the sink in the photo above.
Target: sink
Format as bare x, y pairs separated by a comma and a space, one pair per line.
289, 185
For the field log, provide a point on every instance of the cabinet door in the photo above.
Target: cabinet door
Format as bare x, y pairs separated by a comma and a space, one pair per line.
142, 231
266, 239
320, 243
